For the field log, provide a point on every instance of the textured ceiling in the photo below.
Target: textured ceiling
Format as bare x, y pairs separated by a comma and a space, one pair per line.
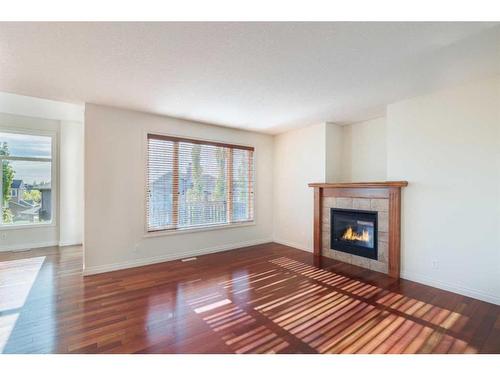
268, 77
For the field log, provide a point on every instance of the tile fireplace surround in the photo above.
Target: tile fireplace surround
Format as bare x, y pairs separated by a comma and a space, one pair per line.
381, 197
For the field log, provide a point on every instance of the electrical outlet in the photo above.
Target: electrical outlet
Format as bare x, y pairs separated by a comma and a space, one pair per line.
435, 264
4, 236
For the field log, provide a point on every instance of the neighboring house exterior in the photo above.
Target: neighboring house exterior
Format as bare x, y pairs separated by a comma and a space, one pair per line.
46, 202
22, 210
16, 190
29, 210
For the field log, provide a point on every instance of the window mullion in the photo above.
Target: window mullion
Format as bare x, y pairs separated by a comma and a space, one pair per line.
229, 193
175, 187
250, 185
1, 186
25, 158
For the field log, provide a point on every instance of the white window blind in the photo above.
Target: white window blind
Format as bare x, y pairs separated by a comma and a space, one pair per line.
193, 183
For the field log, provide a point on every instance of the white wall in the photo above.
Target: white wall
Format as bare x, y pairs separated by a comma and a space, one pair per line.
334, 138
447, 145
40, 108
302, 156
71, 183
66, 120
299, 158
115, 191
364, 151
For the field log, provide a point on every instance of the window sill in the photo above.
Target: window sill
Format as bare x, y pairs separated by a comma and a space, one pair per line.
25, 226
172, 232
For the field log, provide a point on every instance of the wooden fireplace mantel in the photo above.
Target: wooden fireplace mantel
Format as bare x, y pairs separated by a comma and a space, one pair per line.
344, 185
390, 190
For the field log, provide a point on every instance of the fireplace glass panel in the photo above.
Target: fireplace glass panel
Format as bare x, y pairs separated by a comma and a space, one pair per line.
354, 232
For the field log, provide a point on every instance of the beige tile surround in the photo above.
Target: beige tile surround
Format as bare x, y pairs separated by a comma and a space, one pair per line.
381, 206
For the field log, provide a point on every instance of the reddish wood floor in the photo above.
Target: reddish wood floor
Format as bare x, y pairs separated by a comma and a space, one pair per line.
261, 299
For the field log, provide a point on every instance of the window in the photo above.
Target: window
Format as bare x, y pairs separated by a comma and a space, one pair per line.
26, 179
193, 183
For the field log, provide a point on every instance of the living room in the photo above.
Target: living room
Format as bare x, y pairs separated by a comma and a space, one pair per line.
250, 187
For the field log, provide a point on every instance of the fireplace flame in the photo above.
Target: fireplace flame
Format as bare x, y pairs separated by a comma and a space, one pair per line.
351, 235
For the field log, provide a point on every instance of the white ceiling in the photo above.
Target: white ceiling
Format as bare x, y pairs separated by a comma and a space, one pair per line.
268, 77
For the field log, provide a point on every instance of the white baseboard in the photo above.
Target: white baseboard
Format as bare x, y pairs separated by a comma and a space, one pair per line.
168, 257
27, 246
293, 244
69, 243
451, 287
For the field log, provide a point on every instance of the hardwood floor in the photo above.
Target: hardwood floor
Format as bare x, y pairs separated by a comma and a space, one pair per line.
261, 299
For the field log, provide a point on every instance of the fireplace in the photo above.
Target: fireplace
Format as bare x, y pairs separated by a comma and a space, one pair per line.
354, 232
383, 200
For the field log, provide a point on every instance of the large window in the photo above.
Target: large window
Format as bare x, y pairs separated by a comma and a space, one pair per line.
26, 179
193, 183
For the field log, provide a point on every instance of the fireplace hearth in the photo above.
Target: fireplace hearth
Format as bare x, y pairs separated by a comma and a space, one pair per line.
354, 232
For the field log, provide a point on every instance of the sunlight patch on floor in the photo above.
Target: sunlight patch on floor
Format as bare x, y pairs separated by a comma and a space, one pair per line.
16, 280
7, 323
212, 306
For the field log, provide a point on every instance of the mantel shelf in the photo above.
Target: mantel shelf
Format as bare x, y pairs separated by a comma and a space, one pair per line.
350, 185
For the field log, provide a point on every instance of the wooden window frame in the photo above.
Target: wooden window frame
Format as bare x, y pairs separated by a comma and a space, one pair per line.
175, 182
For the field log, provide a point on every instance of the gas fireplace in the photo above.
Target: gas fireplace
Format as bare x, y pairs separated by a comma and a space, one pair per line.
354, 232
